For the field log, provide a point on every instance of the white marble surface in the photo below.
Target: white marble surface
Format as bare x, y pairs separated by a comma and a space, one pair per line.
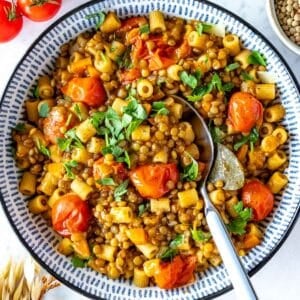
280, 277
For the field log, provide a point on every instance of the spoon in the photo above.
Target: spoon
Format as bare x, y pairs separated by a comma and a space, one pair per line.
238, 276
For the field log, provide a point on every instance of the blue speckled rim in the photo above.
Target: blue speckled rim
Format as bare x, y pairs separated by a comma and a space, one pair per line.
211, 296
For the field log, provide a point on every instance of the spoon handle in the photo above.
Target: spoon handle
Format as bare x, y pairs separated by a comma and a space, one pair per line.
238, 276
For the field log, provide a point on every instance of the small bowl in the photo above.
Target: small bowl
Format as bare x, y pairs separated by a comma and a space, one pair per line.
271, 12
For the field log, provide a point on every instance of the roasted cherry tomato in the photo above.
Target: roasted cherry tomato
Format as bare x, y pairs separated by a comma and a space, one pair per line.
89, 90
258, 196
70, 215
11, 21
175, 273
39, 10
101, 169
244, 112
151, 181
56, 121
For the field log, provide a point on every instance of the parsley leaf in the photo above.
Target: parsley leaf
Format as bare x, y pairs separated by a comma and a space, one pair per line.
171, 251
246, 76
252, 138
142, 208
124, 61
42, 148
68, 165
159, 108
145, 29
203, 27
178, 240
99, 16
238, 224
121, 190
190, 172
200, 236
256, 58
216, 82
217, 134
36, 92
20, 127
188, 79
78, 262
77, 111
199, 92
44, 110
227, 87
232, 67
106, 181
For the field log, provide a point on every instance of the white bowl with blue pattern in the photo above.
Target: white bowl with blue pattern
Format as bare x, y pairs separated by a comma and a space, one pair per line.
33, 231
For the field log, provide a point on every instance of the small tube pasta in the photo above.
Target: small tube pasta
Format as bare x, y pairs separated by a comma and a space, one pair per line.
48, 184
232, 43
95, 145
204, 63
115, 50
276, 160
266, 129
242, 58
141, 133
38, 204
103, 63
55, 153
269, 144
274, 113
82, 189
198, 41
157, 21
217, 197
121, 214
80, 155
45, 89
160, 205
280, 134
144, 88
79, 66
111, 23
56, 169
65, 247
55, 196
32, 110
149, 250
188, 198
176, 110
140, 279
107, 253
277, 182
173, 72
265, 91
85, 130
28, 184
253, 74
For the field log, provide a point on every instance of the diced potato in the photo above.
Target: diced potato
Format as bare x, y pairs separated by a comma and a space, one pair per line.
142, 133
188, 198
176, 110
118, 105
161, 156
65, 247
111, 23
95, 145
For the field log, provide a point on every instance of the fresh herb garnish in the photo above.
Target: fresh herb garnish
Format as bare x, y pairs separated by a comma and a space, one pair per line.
188, 79
77, 111
238, 224
227, 87
200, 236
217, 133
70, 140
203, 27
121, 190
256, 58
99, 16
190, 172
142, 208
171, 251
178, 240
232, 67
42, 148
124, 61
252, 138
159, 108
78, 262
44, 110
145, 29
68, 165
36, 92
20, 127
106, 181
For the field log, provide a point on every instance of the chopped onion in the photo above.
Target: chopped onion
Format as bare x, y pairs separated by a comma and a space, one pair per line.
267, 77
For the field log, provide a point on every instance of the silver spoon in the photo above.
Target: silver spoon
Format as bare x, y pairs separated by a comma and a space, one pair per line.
238, 276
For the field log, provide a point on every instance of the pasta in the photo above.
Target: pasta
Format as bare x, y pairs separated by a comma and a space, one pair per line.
113, 163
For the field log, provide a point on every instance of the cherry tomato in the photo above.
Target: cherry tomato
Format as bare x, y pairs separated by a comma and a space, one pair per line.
89, 90
175, 273
244, 112
55, 122
151, 181
70, 215
114, 169
259, 197
39, 10
11, 21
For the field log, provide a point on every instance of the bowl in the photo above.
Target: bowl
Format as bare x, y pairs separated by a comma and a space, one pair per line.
273, 19
33, 230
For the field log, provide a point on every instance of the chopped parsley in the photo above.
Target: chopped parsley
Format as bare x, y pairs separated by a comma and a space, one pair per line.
159, 108
78, 112
44, 110
124, 61
256, 58
203, 27
20, 127
71, 140
190, 172
78, 262
172, 250
238, 224
232, 67
121, 190
145, 29
200, 236
246, 76
106, 181
217, 133
69, 165
99, 16
188, 79
42, 148
142, 208
252, 138
36, 92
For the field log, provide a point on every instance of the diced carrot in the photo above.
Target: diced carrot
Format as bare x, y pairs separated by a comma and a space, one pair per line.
183, 50
137, 235
132, 36
250, 241
92, 72
241, 154
130, 75
157, 61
